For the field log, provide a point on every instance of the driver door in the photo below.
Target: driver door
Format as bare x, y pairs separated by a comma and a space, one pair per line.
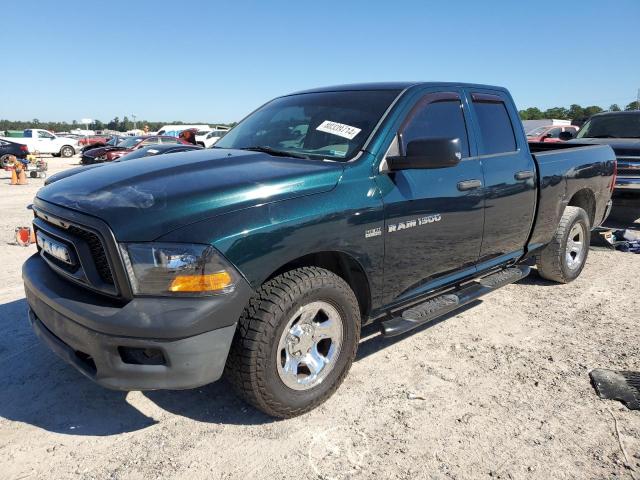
433, 217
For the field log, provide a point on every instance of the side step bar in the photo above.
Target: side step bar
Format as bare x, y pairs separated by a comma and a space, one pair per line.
436, 307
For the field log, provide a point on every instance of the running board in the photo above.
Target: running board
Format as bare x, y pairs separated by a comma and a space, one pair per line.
441, 305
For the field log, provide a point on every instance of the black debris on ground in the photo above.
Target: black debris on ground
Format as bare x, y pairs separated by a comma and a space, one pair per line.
623, 386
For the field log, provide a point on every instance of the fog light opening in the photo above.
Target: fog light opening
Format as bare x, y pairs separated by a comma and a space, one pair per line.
141, 356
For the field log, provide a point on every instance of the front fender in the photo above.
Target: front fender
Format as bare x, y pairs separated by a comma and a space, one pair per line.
261, 239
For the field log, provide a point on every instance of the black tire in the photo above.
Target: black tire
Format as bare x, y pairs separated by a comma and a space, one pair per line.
4, 161
552, 261
67, 151
252, 364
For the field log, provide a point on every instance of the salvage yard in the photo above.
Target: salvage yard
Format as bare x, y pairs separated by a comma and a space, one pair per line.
500, 389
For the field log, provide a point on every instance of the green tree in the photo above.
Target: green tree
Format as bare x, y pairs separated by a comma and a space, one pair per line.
531, 113
632, 106
614, 108
592, 110
126, 124
575, 112
559, 113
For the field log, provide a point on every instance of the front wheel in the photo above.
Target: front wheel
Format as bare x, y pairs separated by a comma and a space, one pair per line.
563, 259
67, 152
295, 342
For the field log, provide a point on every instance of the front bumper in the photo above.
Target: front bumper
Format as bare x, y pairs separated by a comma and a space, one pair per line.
145, 344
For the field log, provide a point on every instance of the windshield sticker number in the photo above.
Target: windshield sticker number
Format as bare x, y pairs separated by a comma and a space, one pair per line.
339, 129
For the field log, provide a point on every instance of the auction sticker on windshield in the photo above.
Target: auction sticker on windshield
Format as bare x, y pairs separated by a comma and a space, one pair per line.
340, 129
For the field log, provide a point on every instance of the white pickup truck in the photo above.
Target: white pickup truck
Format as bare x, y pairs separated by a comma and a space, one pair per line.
42, 141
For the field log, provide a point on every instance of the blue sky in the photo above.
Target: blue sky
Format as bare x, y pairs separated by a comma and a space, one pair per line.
216, 61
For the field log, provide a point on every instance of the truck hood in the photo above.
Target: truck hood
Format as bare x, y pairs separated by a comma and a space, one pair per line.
142, 199
622, 146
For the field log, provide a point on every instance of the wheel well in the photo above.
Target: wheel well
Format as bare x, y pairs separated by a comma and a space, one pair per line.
342, 265
585, 200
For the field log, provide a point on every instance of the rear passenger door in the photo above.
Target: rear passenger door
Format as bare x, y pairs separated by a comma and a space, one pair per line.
509, 176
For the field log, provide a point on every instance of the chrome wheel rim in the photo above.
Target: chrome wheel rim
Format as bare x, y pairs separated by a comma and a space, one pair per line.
309, 346
576, 246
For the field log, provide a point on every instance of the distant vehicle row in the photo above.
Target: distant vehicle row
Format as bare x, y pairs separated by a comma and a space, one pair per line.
122, 145
43, 141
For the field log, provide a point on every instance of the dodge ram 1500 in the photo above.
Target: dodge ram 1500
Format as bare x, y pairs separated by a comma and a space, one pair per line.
321, 211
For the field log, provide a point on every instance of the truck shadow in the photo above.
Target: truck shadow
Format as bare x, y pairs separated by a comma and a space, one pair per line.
41, 390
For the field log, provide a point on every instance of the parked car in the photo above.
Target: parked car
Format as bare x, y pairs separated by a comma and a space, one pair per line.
8, 148
38, 140
148, 151
94, 140
91, 152
126, 145
201, 135
620, 130
552, 134
213, 136
264, 256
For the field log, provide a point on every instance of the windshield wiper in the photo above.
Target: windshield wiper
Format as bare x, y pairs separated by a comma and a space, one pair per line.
275, 152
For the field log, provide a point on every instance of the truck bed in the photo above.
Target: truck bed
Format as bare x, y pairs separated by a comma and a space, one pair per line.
566, 170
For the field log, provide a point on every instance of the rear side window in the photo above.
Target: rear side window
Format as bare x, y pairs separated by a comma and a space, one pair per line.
495, 125
437, 119
554, 133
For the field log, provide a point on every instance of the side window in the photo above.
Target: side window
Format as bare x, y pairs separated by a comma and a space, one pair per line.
44, 135
495, 124
437, 116
570, 130
554, 133
168, 140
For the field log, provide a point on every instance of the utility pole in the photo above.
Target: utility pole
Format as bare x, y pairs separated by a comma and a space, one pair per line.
133, 115
638, 100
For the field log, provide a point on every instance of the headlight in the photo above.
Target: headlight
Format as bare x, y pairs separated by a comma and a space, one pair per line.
177, 269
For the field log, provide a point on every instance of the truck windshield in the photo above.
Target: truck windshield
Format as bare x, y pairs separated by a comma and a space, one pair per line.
319, 125
612, 126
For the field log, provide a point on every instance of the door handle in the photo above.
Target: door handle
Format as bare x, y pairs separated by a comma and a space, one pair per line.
523, 175
469, 185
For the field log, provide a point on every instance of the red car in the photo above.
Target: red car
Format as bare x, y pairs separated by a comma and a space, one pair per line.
551, 133
93, 139
129, 144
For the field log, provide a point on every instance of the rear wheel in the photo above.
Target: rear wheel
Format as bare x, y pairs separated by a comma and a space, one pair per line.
563, 259
295, 342
67, 151
4, 161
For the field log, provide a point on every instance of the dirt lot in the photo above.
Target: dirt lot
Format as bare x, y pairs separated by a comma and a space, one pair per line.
499, 390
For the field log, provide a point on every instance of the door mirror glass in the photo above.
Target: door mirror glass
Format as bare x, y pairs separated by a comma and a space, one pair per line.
427, 153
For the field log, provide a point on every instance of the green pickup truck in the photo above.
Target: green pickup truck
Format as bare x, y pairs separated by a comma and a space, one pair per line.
262, 257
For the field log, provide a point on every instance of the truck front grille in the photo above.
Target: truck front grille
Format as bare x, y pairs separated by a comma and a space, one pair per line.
97, 252
92, 267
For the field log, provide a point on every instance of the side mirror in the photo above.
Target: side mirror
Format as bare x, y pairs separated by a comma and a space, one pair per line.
427, 153
564, 136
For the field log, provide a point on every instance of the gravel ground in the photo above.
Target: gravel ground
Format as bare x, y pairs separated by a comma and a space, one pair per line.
500, 390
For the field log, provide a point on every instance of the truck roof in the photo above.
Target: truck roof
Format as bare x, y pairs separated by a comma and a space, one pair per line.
625, 112
392, 86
